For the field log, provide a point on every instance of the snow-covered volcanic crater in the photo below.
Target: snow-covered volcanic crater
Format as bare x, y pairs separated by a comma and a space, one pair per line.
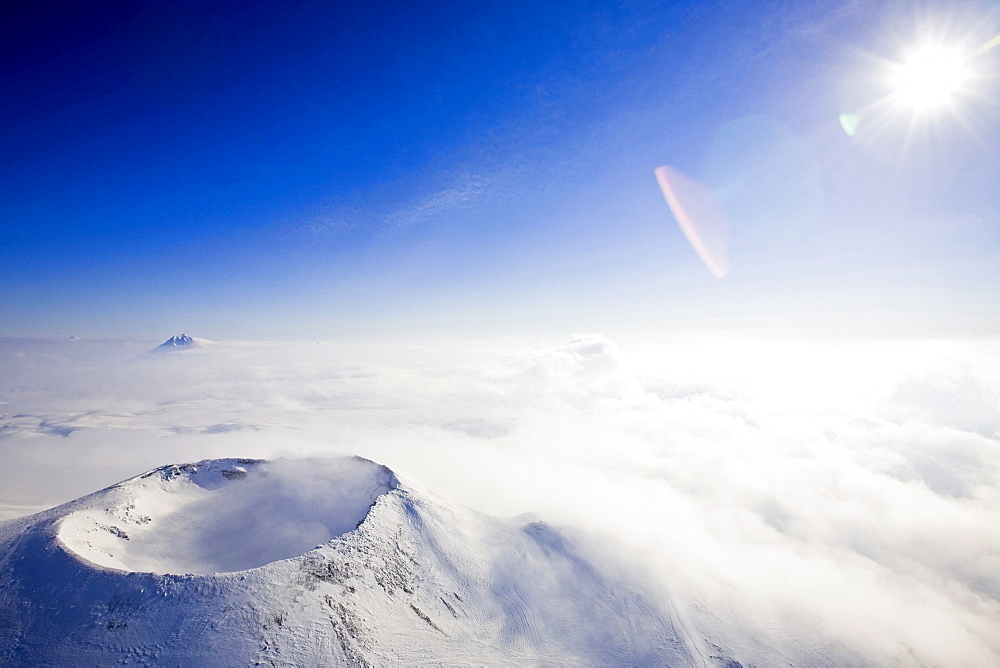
313, 562
224, 515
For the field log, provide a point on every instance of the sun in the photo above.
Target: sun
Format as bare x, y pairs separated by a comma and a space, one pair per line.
936, 84
929, 78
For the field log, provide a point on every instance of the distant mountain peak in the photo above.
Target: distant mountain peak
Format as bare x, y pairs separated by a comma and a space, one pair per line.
180, 341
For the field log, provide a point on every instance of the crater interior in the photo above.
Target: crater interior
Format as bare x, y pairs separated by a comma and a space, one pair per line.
223, 515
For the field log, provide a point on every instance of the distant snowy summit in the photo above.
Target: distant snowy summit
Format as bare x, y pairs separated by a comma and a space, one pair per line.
331, 562
178, 342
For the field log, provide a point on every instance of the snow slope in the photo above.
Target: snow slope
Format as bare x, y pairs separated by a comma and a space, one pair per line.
214, 563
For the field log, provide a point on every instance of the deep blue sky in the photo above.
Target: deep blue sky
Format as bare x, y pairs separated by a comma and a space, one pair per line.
323, 169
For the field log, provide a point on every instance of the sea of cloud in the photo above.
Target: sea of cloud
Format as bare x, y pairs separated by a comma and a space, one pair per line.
819, 502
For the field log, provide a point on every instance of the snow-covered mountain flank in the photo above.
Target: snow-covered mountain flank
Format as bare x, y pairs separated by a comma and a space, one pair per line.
312, 562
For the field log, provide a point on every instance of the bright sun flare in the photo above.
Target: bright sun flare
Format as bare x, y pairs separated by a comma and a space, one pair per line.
929, 77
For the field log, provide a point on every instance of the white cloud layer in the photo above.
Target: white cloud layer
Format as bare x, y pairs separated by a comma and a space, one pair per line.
798, 502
